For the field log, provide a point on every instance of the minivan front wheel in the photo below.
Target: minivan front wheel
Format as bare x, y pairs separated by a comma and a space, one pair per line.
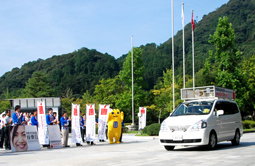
169, 147
236, 139
212, 141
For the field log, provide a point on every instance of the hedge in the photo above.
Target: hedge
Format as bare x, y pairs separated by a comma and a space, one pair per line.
248, 124
153, 129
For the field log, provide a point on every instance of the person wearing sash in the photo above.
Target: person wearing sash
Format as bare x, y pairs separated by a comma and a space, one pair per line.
2, 131
8, 128
28, 119
50, 119
34, 121
64, 120
55, 117
17, 117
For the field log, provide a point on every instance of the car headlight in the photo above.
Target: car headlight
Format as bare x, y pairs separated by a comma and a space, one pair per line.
199, 125
163, 126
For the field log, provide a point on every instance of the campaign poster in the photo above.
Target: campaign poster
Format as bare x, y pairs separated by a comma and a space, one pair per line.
142, 117
90, 123
55, 137
24, 138
42, 125
76, 122
102, 120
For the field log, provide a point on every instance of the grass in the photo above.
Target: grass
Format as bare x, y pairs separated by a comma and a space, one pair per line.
248, 129
141, 135
132, 132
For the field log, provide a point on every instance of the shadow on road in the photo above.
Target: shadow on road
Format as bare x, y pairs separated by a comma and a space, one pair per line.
220, 146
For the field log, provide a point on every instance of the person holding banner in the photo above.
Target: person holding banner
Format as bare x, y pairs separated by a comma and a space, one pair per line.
34, 121
64, 120
82, 128
122, 127
17, 117
50, 119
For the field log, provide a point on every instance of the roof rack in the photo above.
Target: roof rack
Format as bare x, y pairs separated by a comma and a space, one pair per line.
207, 92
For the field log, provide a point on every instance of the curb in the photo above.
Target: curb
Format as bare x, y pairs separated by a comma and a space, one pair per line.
249, 131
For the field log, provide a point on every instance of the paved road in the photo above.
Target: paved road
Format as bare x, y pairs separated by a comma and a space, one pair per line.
137, 151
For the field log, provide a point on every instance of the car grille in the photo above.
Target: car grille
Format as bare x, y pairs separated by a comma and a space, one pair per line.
178, 128
182, 141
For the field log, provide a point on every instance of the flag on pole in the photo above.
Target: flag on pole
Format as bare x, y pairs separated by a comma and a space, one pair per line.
182, 15
192, 22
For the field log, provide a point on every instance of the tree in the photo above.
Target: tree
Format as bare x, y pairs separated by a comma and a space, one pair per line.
228, 58
226, 54
4, 105
163, 94
67, 105
125, 101
109, 90
247, 70
38, 85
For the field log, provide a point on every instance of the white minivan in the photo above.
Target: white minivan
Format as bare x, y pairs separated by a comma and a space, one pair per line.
205, 121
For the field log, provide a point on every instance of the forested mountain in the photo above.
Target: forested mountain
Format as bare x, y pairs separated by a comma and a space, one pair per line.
81, 70
241, 14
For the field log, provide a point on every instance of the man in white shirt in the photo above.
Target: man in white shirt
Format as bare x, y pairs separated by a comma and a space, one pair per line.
8, 127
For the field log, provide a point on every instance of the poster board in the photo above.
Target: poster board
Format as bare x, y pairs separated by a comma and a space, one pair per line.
142, 117
42, 125
90, 122
102, 120
55, 137
76, 121
24, 138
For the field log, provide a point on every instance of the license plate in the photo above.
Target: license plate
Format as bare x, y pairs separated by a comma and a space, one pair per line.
177, 137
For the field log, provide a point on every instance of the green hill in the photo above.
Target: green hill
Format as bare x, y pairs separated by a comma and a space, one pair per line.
79, 71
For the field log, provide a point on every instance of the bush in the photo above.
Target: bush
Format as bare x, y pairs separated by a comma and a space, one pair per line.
125, 129
144, 131
153, 129
247, 124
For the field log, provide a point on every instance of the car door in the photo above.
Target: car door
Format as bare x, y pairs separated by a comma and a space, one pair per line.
228, 120
222, 120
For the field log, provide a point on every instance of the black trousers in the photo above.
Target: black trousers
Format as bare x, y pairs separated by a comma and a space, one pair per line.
121, 134
2, 137
82, 134
7, 137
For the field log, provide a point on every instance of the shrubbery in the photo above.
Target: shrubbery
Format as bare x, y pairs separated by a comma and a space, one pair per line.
145, 130
248, 124
152, 130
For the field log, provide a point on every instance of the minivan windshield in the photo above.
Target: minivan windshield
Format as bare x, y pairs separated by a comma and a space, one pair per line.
194, 108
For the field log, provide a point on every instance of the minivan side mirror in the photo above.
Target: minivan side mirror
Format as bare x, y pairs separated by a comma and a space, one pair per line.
220, 112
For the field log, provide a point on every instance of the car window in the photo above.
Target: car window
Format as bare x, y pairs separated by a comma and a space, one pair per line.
227, 107
193, 108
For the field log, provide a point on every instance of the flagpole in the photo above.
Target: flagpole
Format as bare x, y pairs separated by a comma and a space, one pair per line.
173, 50
193, 56
183, 45
133, 114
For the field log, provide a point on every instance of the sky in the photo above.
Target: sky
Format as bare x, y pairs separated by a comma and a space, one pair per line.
33, 29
